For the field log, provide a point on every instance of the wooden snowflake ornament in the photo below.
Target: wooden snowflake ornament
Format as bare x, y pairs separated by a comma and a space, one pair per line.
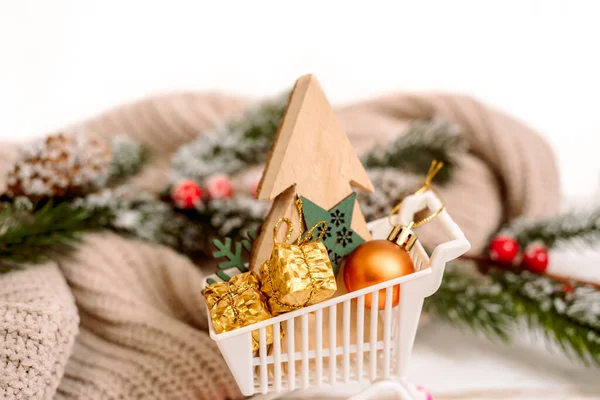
312, 157
231, 255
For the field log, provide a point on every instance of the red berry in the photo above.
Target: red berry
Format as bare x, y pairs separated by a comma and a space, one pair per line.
186, 194
219, 187
568, 288
535, 258
504, 249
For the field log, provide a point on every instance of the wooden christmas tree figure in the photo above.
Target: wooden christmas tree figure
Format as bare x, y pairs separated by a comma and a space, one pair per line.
313, 158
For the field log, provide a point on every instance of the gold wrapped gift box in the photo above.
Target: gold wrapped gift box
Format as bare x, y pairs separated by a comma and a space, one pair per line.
297, 276
238, 303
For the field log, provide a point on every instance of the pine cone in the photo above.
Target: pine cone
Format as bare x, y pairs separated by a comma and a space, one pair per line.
391, 186
60, 165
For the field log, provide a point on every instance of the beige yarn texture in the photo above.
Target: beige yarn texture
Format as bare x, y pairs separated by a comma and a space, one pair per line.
123, 319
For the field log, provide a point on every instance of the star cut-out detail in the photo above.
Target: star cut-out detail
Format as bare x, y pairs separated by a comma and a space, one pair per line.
339, 239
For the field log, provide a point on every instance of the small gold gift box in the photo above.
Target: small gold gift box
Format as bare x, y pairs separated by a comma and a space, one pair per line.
297, 275
238, 303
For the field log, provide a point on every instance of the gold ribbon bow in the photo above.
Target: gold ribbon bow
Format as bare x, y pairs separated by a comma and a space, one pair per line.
435, 167
300, 240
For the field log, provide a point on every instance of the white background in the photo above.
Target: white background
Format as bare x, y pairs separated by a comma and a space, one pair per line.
63, 61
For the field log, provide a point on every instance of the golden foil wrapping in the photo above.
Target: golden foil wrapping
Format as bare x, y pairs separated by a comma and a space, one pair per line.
297, 276
238, 303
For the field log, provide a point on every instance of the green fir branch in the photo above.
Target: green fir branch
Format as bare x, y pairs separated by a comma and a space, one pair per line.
543, 304
259, 127
235, 217
495, 305
424, 141
465, 299
558, 231
584, 306
391, 186
146, 217
32, 236
246, 141
127, 157
231, 147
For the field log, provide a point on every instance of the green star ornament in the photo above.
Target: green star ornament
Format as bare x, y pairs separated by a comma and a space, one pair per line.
339, 239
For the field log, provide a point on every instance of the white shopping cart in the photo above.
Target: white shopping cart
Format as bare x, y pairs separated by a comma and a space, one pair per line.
338, 341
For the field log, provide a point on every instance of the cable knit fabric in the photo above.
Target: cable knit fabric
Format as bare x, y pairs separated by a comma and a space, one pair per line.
38, 324
143, 326
143, 321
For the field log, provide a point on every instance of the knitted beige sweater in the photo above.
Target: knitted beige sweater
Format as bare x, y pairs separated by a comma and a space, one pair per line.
122, 319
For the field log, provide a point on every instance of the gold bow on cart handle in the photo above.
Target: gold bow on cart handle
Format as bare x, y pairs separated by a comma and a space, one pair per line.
435, 167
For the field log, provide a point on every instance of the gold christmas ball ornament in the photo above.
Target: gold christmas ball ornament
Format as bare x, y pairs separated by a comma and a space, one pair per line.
378, 261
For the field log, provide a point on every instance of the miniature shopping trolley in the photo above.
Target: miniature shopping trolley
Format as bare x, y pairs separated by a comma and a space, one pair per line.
338, 341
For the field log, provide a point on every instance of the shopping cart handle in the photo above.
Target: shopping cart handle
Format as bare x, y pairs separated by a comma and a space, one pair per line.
444, 252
